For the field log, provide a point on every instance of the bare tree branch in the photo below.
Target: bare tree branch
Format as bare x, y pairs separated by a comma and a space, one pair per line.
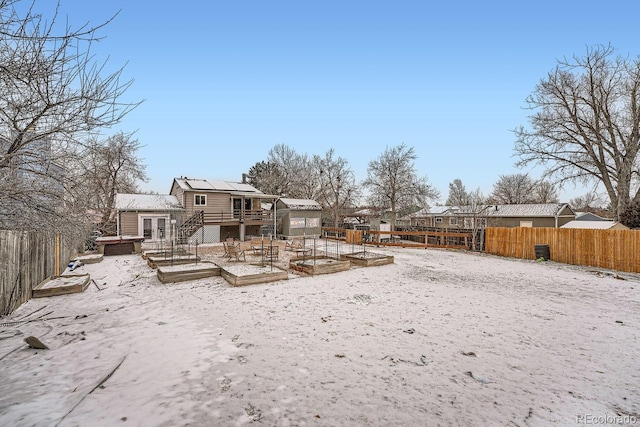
394, 183
586, 124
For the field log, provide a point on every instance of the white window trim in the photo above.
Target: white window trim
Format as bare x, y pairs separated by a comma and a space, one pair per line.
453, 221
195, 197
438, 219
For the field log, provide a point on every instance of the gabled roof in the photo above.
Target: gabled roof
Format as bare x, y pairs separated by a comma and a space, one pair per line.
522, 210
147, 202
435, 210
589, 216
301, 204
596, 225
526, 210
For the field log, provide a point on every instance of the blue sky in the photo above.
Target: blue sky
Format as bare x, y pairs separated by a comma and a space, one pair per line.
225, 81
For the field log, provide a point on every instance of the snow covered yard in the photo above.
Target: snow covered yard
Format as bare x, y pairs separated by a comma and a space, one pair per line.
437, 338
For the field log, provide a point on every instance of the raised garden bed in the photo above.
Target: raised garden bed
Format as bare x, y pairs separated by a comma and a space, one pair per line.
164, 253
61, 285
90, 259
368, 259
319, 265
119, 245
185, 272
158, 261
242, 274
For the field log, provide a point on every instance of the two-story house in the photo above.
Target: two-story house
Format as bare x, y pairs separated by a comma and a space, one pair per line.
197, 209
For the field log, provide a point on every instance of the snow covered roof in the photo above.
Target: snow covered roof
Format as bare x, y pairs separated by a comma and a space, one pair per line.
521, 210
147, 202
301, 204
526, 210
595, 225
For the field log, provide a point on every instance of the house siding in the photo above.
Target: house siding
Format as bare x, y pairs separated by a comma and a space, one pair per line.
216, 202
515, 222
129, 223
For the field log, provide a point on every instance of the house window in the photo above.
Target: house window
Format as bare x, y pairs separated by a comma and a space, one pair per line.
200, 200
438, 219
453, 221
526, 224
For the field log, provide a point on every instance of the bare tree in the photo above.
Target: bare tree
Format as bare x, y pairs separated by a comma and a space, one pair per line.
545, 192
513, 189
52, 95
394, 183
294, 171
458, 194
477, 210
109, 167
586, 124
587, 202
338, 189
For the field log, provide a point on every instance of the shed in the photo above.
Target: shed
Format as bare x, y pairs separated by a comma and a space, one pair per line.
595, 225
298, 217
147, 215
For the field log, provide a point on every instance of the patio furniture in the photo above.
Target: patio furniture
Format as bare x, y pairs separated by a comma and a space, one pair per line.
235, 252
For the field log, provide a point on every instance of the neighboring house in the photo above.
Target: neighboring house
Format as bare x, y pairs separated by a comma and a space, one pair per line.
529, 215
450, 217
298, 217
218, 210
467, 217
147, 215
589, 216
595, 225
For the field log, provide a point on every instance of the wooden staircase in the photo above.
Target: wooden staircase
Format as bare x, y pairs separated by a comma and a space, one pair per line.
190, 226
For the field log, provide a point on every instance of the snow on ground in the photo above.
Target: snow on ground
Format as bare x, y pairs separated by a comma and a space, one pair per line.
437, 338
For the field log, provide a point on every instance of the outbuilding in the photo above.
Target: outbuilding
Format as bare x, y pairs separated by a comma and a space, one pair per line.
298, 218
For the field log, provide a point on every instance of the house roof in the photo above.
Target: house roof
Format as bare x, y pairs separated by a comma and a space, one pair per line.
526, 210
589, 216
147, 202
301, 204
522, 210
435, 210
595, 225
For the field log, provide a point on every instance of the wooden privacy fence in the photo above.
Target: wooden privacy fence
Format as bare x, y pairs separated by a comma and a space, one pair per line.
26, 259
612, 249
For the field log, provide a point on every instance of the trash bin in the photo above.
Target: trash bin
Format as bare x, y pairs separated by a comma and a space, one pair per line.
542, 251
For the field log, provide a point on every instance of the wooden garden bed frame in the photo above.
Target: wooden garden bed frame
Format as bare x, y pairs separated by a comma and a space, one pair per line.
61, 285
373, 261
253, 279
325, 265
185, 272
155, 262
